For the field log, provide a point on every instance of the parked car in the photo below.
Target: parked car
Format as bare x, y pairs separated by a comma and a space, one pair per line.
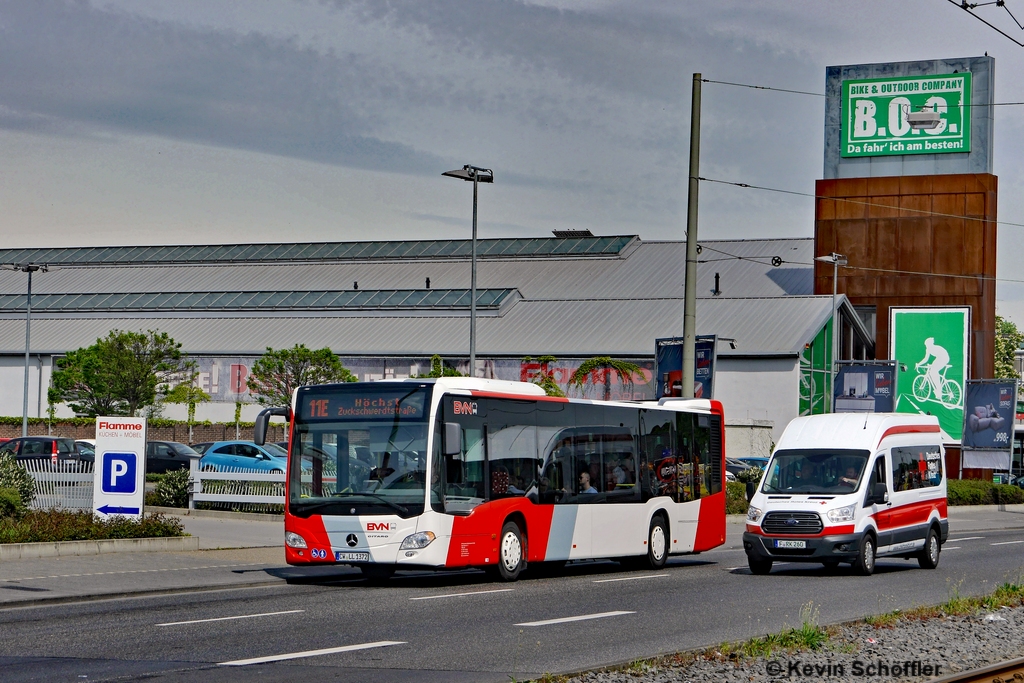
754, 461
735, 466
218, 455
1019, 481
44, 448
167, 456
86, 447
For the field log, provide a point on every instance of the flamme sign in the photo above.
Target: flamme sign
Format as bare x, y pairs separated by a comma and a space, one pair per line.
119, 474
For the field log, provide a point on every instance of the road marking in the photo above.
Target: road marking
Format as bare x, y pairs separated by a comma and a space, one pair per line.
241, 616
459, 595
633, 578
951, 547
1006, 543
311, 653
566, 620
968, 538
141, 571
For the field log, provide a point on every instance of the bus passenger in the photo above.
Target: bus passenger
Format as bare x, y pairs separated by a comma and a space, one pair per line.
585, 486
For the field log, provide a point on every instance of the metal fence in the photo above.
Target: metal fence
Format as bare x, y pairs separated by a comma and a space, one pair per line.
238, 489
66, 485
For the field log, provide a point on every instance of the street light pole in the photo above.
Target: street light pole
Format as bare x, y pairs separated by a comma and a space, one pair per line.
477, 175
836, 260
28, 327
690, 283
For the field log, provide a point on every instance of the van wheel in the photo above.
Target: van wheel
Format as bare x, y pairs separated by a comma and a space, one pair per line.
758, 566
657, 543
929, 557
511, 552
865, 562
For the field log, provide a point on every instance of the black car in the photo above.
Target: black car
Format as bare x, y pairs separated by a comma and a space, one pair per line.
60, 448
167, 456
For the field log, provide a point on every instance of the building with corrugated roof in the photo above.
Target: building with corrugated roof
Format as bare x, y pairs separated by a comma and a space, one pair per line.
386, 307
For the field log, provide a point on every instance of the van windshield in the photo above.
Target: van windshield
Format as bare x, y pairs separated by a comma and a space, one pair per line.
825, 471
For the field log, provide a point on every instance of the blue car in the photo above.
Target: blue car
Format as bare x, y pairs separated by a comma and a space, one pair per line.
220, 456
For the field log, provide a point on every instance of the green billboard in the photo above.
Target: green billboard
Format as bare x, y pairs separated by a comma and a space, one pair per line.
874, 115
930, 347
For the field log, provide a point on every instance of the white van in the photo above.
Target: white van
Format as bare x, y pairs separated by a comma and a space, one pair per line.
850, 487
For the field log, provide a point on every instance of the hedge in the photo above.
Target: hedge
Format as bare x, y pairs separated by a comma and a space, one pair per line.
977, 492
51, 526
736, 498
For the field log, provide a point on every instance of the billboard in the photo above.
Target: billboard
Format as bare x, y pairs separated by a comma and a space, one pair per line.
874, 115
930, 347
669, 363
865, 388
987, 440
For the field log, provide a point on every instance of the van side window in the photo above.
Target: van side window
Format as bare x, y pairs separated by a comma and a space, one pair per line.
877, 477
916, 467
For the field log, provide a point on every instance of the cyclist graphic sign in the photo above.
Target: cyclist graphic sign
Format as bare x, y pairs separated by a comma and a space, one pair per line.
930, 346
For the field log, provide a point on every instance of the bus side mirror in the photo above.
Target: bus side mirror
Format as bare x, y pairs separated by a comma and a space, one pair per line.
259, 430
452, 439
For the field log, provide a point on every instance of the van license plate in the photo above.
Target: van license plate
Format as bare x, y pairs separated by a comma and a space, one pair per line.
790, 544
351, 557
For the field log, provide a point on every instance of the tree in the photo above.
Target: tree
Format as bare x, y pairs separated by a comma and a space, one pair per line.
118, 375
1008, 340
545, 379
276, 374
439, 369
601, 368
187, 391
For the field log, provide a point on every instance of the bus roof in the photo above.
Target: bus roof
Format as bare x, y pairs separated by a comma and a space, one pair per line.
859, 431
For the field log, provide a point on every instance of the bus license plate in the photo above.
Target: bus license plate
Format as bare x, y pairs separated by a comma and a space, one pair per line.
351, 557
790, 544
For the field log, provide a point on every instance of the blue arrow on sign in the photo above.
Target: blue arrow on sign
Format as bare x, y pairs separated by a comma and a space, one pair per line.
112, 510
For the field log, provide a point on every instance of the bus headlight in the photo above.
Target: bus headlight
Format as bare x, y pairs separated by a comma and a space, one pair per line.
843, 514
753, 514
420, 539
293, 540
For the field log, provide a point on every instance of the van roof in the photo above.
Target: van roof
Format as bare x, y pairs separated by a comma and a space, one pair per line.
861, 431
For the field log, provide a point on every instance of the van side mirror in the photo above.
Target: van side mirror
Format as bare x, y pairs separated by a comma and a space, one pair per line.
259, 430
879, 494
452, 439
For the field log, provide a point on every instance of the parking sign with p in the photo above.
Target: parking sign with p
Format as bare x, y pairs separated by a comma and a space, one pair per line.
120, 470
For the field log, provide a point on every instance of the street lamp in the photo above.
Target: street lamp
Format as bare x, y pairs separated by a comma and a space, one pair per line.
476, 175
836, 260
27, 268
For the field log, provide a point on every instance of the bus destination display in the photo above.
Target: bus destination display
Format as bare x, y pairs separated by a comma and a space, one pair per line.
363, 405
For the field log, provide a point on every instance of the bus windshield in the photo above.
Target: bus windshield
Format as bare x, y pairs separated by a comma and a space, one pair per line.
359, 449
815, 471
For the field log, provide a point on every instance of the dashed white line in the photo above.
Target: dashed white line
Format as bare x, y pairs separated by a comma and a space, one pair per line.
951, 547
241, 616
566, 620
311, 653
633, 578
967, 538
459, 595
1006, 543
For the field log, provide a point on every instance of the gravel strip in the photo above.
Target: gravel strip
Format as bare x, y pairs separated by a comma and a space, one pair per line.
855, 653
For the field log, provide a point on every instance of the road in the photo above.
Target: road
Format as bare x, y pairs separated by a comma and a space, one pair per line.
458, 626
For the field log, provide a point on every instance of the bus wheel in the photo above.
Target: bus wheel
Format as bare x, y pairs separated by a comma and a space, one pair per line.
377, 572
865, 562
929, 557
657, 543
511, 552
758, 566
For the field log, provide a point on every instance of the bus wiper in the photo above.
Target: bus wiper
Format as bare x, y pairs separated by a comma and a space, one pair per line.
327, 503
393, 505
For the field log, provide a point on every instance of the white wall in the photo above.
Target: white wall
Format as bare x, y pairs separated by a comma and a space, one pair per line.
12, 381
765, 390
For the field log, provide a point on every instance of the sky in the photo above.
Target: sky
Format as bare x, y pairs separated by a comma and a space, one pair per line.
211, 121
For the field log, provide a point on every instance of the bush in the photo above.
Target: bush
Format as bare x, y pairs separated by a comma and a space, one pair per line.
14, 476
977, 492
172, 489
750, 474
51, 526
736, 498
10, 504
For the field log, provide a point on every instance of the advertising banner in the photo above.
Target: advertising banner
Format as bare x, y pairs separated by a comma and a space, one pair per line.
669, 364
865, 388
930, 347
119, 479
988, 423
874, 115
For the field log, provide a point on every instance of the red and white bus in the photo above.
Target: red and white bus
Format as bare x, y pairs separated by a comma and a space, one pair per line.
465, 472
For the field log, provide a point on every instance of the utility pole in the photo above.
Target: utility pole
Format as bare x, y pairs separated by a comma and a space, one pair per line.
690, 284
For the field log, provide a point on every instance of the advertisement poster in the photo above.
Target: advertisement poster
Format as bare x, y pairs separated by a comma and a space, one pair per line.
669, 360
930, 347
874, 120
865, 388
988, 423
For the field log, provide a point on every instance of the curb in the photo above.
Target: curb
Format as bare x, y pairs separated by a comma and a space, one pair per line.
216, 514
34, 551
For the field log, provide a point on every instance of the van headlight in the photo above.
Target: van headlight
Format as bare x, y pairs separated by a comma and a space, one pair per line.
293, 540
753, 514
843, 514
420, 539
